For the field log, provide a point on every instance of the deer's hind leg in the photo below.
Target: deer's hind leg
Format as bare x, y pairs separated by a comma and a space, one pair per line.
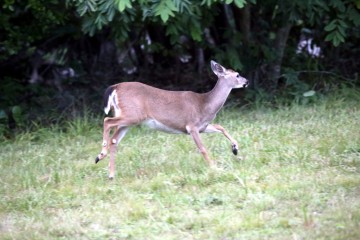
115, 140
108, 124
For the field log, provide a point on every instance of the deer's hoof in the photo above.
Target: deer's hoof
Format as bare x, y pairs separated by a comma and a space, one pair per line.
235, 149
100, 156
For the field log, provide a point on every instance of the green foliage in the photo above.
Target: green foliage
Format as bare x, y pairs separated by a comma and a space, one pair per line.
343, 16
32, 14
10, 110
97, 14
339, 16
347, 16
101, 13
337, 31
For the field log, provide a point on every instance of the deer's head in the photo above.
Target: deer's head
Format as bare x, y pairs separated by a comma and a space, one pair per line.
232, 78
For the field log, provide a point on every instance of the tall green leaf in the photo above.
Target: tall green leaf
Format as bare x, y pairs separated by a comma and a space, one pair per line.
122, 4
165, 9
240, 3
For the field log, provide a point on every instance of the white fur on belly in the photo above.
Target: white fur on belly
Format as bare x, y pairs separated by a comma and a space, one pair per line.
154, 124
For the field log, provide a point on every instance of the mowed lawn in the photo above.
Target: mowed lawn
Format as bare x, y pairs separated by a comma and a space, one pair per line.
297, 176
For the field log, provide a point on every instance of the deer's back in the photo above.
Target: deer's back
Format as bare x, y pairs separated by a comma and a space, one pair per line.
173, 109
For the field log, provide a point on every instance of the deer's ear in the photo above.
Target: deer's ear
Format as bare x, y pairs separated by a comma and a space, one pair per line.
217, 69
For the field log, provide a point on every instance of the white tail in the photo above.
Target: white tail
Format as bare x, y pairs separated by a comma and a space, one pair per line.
185, 112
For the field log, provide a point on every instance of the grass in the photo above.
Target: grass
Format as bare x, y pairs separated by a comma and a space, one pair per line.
297, 177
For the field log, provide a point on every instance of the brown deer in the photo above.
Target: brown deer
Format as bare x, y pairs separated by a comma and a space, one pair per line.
185, 112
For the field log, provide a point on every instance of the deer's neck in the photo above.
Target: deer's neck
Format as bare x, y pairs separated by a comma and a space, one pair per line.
215, 99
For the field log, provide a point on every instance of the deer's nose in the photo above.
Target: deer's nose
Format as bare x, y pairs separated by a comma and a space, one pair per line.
246, 83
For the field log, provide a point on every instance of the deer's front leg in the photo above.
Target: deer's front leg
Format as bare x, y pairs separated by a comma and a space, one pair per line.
196, 137
217, 128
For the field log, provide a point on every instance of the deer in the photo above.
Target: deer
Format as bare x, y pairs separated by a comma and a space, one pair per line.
179, 112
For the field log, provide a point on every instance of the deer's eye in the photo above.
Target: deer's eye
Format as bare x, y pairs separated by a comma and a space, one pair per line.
238, 75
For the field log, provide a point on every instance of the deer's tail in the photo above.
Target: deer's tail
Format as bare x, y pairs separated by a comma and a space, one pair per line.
110, 99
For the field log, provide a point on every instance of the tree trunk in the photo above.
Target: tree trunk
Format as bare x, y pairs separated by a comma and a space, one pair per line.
200, 58
243, 25
243, 22
274, 68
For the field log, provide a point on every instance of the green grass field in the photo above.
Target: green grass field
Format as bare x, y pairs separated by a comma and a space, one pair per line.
297, 176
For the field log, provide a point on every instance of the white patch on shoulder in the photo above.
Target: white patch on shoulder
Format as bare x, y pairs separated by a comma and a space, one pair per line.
112, 102
154, 124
